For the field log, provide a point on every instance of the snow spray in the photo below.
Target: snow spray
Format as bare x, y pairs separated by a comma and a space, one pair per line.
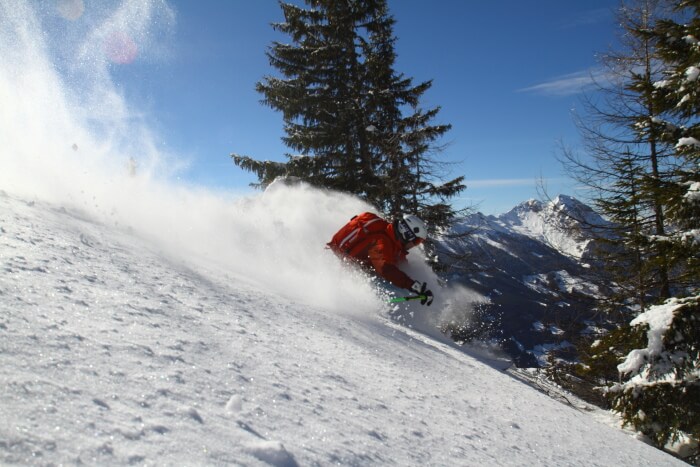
70, 137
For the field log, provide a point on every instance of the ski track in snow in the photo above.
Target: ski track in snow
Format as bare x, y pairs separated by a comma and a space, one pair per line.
114, 353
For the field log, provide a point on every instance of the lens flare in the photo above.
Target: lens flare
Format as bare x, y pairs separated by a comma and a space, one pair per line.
120, 48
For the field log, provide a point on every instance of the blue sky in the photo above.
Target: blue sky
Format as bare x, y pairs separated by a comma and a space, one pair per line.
507, 75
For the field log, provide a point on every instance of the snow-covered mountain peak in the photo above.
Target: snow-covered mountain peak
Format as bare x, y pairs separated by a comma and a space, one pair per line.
561, 222
521, 212
534, 264
567, 202
577, 210
532, 205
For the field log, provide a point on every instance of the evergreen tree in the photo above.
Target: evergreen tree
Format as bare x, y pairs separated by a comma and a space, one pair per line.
660, 396
643, 143
679, 48
660, 392
344, 106
627, 162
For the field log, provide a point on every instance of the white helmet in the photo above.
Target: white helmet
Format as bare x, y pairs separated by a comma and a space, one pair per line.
412, 227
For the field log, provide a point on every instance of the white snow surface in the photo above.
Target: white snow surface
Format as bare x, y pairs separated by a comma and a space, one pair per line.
146, 322
116, 352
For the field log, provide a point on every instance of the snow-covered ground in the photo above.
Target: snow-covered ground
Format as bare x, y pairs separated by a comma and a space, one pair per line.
114, 351
146, 322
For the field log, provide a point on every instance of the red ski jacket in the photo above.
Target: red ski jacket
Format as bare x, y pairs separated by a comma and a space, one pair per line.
382, 251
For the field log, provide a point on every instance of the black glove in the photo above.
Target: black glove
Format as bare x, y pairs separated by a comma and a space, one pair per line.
420, 289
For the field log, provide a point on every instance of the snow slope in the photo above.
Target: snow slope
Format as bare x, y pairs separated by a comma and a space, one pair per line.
116, 352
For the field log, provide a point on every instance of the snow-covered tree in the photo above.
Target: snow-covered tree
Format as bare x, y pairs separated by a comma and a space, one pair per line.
679, 48
627, 162
661, 394
642, 142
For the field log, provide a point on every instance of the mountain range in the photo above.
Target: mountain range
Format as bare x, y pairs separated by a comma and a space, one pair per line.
536, 265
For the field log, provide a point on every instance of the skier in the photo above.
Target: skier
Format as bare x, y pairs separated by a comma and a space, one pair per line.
380, 245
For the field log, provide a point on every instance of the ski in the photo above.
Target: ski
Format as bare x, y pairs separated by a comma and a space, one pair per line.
406, 299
